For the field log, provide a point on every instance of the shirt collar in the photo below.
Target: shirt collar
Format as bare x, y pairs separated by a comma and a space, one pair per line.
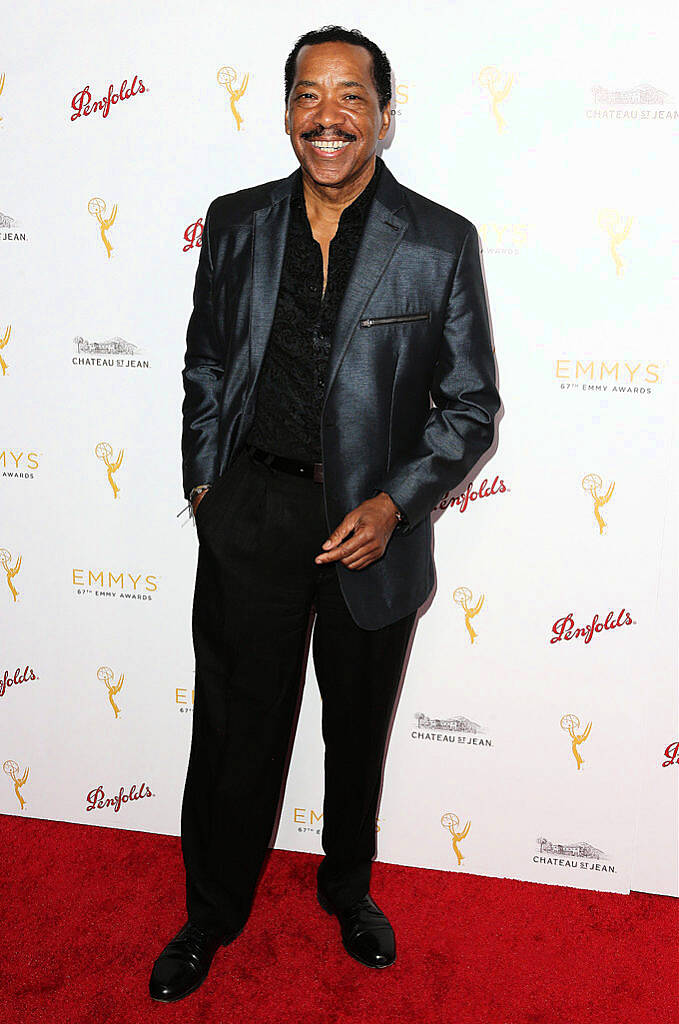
357, 208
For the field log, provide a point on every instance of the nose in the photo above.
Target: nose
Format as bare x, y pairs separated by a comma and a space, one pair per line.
329, 114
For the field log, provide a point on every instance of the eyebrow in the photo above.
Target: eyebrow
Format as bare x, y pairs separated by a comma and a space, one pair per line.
307, 81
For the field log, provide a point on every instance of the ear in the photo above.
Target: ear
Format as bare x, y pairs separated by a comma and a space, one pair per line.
287, 122
386, 121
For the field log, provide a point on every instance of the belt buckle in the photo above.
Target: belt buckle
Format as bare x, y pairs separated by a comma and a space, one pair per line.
318, 472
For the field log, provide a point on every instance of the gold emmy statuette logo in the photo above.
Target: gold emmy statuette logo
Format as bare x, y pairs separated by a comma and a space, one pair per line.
10, 570
11, 768
452, 823
491, 78
463, 597
4, 340
104, 452
226, 77
2, 85
610, 221
594, 484
97, 208
570, 724
105, 676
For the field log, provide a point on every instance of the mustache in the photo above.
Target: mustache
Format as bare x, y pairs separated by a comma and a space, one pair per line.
335, 133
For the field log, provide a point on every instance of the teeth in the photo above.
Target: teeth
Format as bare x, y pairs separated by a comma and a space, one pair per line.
329, 145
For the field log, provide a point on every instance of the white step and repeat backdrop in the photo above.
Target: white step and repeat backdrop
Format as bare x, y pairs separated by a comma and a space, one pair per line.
537, 734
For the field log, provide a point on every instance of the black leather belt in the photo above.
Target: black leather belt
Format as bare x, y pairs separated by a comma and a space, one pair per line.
312, 470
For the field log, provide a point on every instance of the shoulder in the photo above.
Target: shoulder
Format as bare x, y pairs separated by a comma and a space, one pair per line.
434, 225
235, 208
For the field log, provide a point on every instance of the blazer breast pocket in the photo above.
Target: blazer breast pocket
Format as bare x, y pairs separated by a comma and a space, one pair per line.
403, 318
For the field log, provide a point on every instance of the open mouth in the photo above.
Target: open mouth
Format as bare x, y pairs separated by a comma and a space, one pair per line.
330, 147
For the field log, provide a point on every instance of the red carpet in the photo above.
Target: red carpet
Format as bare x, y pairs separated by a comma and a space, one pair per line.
86, 910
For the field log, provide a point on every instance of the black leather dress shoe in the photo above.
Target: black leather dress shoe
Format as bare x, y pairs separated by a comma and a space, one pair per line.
366, 932
184, 963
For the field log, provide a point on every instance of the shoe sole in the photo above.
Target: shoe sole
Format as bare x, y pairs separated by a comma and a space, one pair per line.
328, 909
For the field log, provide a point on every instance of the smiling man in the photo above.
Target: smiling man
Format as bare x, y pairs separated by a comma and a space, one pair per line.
330, 308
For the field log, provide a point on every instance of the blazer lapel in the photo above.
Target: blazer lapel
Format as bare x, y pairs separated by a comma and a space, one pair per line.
382, 232
270, 232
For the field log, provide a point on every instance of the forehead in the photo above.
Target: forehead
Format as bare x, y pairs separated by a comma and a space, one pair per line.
325, 61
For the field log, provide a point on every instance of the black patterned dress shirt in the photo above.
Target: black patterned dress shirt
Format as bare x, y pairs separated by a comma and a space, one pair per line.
291, 386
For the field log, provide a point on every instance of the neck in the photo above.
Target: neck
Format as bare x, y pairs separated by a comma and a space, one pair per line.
326, 202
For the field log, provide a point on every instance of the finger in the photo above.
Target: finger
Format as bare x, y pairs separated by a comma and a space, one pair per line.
367, 551
361, 563
355, 542
349, 522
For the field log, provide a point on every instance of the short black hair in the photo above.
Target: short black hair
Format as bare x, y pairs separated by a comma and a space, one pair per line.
381, 68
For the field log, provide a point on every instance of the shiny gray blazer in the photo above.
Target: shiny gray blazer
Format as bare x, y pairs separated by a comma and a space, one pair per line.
413, 324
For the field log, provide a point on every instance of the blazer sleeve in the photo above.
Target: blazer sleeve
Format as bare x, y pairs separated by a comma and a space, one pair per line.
460, 426
203, 377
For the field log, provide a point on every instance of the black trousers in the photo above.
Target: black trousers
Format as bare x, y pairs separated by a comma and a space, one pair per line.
257, 587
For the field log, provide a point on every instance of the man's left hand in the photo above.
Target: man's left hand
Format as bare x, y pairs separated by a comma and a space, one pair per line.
372, 523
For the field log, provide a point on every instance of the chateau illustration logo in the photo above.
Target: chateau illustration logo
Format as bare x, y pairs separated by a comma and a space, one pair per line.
9, 232
565, 628
463, 597
104, 451
193, 236
114, 352
11, 571
83, 105
11, 768
450, 730
4, 342
643, 102
498, 84
226, 76
593, 484
571, 724
617, 228
451, 822
106, 676
571, 855
97, 208
469, 495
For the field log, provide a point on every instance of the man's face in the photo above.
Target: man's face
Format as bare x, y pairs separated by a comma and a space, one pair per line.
333, 116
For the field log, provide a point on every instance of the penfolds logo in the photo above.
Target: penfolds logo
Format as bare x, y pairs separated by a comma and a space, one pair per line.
83, 105
193, 236
672, 754
498, 486
97, 799
15, 680
565, 628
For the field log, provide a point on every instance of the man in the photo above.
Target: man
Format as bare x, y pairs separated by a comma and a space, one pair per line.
328, 307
